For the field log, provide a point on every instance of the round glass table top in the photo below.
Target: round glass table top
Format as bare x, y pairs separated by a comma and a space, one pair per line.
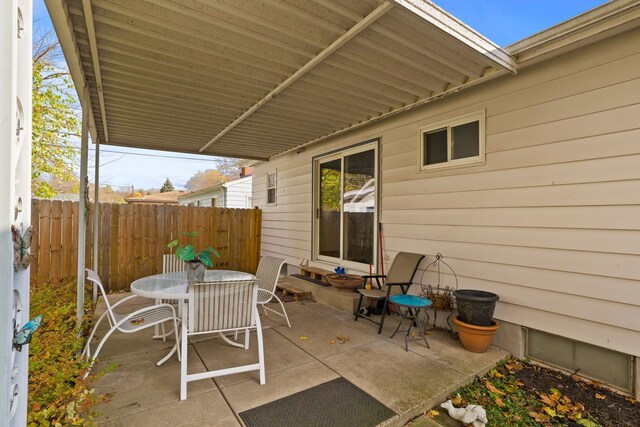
174, 285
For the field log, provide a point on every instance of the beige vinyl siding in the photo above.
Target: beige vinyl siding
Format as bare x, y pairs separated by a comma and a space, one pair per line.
551, 222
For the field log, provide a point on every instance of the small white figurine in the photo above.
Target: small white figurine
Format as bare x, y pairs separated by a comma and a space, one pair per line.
471, 414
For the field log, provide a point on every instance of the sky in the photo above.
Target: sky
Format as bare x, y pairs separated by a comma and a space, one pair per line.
502, 21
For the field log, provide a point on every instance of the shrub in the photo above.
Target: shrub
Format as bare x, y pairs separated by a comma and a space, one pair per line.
57, 393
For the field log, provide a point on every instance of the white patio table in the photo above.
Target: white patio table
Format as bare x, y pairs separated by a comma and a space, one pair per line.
169, 286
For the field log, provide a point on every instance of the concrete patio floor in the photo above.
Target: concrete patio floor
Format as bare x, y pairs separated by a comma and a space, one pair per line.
406, 382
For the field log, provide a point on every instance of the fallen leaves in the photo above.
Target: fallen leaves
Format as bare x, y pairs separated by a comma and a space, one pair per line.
512, 394
432, 413
513, 366
340, 339
587, 423
489, 385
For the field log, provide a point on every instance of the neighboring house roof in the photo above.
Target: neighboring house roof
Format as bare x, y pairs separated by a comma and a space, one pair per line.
167, 198
207, 190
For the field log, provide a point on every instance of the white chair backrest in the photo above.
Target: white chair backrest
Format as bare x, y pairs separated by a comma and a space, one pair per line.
171, 264
268, 272
93, 277
222, 306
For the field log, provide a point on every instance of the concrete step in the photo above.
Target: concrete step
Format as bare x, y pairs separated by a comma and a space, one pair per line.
346, 301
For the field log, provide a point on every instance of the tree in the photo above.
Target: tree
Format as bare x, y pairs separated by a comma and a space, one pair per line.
54, 119
167, 186
204, 179
229, 168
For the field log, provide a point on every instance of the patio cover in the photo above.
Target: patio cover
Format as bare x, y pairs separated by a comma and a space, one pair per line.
256, 78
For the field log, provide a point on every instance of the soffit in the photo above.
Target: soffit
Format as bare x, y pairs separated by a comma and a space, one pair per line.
174, 75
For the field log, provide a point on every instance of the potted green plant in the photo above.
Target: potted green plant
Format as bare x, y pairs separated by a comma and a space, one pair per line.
194, 260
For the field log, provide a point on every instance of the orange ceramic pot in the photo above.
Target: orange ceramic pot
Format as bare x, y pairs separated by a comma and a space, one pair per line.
476, 339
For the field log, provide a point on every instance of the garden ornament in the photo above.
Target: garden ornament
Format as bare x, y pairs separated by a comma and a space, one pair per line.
23, 336
21, 244
474, 415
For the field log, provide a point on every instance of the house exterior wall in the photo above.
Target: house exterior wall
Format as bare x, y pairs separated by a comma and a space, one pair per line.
234, 194
204, 198
239, 193
550, 222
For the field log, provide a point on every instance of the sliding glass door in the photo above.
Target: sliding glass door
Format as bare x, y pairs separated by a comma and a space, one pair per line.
346, 206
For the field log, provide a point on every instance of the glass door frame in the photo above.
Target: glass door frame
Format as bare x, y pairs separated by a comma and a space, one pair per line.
341, 153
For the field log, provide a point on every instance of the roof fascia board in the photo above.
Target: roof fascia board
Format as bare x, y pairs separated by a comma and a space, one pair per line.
339, 42
460, 31
613, 16
91, 34
59, 14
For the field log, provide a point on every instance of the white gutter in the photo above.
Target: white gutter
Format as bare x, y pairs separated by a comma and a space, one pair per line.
613, 16
91, 35
458, 30
353, 31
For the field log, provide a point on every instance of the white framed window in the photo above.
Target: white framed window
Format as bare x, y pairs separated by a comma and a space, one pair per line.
272, 185
214, 202
452, 143
197, 202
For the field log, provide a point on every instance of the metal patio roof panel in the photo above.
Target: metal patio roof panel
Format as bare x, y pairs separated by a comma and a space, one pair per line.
255, 78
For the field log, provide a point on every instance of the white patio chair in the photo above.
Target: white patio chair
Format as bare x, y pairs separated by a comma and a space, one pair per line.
221, 307
127, 323
170, 264
268, 274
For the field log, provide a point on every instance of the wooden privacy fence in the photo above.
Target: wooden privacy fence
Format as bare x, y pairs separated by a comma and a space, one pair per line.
133, 238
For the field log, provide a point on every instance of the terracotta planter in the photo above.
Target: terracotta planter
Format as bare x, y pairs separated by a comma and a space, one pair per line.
476, 339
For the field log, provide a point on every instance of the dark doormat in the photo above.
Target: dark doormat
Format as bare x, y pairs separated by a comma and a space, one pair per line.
334, 403
311, 279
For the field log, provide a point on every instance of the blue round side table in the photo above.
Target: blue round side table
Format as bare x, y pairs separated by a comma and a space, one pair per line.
411, 303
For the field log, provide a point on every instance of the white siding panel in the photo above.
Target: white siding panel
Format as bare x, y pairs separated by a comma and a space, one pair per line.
611, 241
624, 291
609, 169
592, 194
237, 193
584, 103
600, 264
609, 121
551, 222
598, 217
